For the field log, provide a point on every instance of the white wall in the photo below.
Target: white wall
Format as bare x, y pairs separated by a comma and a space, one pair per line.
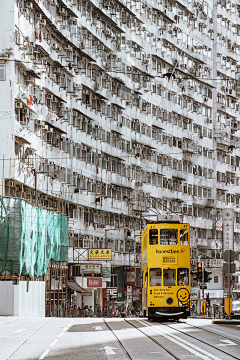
17, 300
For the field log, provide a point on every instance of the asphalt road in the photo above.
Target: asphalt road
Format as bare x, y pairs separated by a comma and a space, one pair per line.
116, 339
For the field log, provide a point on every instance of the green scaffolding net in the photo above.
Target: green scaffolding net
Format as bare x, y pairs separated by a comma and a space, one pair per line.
30, 237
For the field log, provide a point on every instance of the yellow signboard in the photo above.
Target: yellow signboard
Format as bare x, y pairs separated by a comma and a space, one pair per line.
169, 259
99, 254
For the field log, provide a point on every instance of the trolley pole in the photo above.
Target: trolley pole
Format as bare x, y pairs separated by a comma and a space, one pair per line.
199, 305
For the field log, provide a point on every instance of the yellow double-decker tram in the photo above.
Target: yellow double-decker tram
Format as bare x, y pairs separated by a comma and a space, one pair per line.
166, 270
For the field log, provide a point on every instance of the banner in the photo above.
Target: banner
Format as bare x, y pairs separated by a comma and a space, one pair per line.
131, 277
99, 254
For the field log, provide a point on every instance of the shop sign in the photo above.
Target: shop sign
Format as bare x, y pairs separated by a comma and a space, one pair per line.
90, 269
136, 294
94, 282
112, 292
216, 262
99, 254
87, 294
106, 272
228, 228
131, 276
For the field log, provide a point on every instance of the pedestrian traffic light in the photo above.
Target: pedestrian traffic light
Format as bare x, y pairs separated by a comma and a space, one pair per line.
207, 278
207, 299
199, 271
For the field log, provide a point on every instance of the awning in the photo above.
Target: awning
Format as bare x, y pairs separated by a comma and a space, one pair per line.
74, 286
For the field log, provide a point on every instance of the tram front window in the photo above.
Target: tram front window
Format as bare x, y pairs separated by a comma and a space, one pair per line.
169, 277
155, 277
183, 236
182, 276
168, 236
153, 237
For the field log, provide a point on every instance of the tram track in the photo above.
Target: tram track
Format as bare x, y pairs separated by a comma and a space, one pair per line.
147, 323
212, 332
148, 336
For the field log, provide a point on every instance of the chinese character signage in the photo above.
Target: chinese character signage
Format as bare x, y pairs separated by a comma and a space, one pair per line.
99, 254
90, 269
106, 272
136, 294
112, 292
169, 259
131, 277
94, 282
216, 262
228, 228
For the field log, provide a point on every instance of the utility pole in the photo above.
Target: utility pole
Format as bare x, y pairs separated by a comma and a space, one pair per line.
199, 306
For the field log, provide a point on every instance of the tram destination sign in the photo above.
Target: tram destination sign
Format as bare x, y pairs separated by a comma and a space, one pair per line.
172, 259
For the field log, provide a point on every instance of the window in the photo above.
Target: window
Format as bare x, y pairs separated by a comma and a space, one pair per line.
182, 277
2, 72
153, 237
156, 277
183, 236
168, 236
215, 279
169, 278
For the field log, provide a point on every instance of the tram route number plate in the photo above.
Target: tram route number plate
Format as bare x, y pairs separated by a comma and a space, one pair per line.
170, 259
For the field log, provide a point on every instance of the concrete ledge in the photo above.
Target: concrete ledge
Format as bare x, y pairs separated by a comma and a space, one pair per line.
226, 322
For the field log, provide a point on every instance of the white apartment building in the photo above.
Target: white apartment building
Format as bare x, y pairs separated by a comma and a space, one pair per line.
111, 110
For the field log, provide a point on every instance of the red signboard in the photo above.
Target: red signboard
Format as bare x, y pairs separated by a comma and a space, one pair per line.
94, 282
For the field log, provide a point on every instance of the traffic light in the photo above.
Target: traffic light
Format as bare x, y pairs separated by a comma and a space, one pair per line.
199, 271
207, 299
206, 276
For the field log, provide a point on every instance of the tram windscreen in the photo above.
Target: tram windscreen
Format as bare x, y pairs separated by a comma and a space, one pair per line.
153, 236
183, 276
155, 277
168, 236
169, 278
183, 236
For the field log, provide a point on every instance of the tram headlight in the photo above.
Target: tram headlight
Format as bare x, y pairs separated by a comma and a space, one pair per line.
169, 301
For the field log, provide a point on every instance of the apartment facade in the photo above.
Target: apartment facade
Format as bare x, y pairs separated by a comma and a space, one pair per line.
115, 111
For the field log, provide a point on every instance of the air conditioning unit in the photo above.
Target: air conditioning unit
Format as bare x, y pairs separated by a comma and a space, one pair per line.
25, 11
61, 105
18, 105
26, 111
38, 16
42, 22
50, 97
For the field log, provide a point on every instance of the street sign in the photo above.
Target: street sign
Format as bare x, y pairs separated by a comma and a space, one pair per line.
232, 268
129, 294
229, 255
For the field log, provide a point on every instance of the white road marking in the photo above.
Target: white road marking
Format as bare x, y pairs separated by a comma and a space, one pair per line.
190, 347
44, 354
3, 323
228, 342
65, 329
18, 331
54, 342
61, 334
98, 327
70, 323
109, 350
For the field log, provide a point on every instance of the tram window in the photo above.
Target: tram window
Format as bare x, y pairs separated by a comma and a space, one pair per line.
183, 236
169, 278
156, 277
153, 237
182, 276
168, 236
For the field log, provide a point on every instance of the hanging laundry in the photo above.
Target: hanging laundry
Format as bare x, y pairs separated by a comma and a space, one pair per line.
36, 34
30, 100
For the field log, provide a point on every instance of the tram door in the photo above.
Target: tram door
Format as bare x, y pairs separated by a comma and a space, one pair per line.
145, 289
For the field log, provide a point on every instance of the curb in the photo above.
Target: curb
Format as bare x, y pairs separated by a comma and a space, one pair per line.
226, 322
